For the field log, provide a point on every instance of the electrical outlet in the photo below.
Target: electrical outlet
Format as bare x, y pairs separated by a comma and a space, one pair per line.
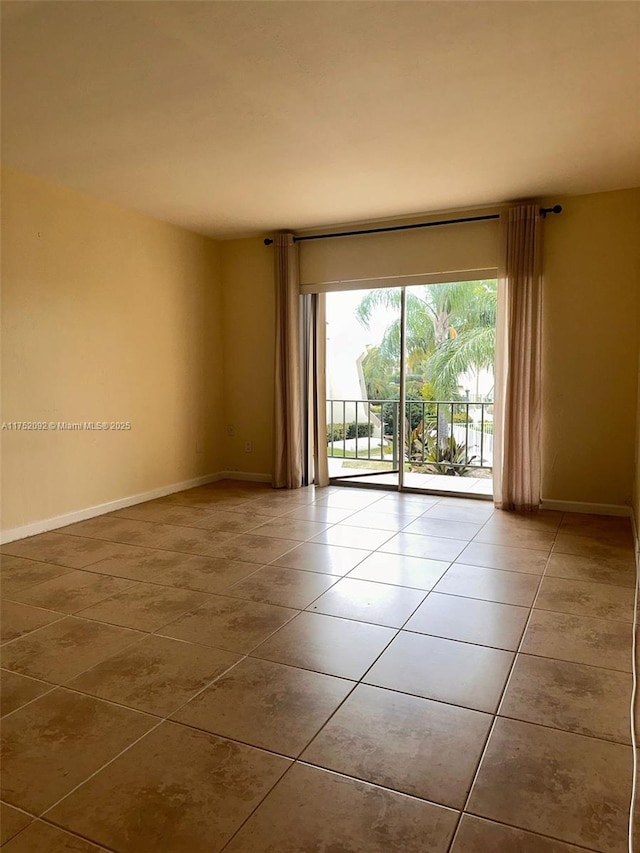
231, 430
248, 446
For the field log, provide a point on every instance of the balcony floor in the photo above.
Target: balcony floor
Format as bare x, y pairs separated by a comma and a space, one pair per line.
428, 482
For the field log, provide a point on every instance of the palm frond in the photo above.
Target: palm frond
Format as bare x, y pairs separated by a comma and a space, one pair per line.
472, 349
450, 330
381, 298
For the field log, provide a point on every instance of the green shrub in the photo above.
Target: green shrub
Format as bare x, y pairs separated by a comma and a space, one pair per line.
417, 410
338, 432
428, 455
335, 432
452, 459
359, 430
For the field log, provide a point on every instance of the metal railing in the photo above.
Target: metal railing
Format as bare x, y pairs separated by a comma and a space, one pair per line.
440, 436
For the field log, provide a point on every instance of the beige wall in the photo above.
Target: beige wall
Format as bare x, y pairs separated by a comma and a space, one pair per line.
249, 347
636, 489
590, 346
590, 338
107, 315
110, 315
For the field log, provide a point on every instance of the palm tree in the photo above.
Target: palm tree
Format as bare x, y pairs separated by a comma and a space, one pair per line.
450, 330
378, 368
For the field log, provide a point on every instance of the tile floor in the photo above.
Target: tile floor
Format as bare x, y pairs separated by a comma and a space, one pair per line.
434, 482
233, 668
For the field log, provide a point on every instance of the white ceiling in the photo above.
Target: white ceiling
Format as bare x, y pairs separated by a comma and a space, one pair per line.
238, 117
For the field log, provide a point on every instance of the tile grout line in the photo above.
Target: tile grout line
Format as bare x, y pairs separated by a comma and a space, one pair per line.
241, 509
168, 719
51, 686
212, 513
337, 578
497, 713
232, 534
160, 721
8, 643
154, 633
214, 556
498, 705
535, 833
250, 654
72, 833
356, 685
165, 586
77, 675
144, 634
327, 721
297, 760
66, 686
243, 656
90, 568
154, 583
225, 593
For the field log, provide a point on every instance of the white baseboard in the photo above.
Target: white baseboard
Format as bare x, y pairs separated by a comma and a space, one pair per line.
100, 509
46, 524
588, 508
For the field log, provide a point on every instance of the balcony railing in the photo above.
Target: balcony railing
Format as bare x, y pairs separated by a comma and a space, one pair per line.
435, 437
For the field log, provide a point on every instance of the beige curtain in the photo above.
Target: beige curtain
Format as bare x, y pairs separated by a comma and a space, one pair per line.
317, 390
516, 472
288, 426
315, 419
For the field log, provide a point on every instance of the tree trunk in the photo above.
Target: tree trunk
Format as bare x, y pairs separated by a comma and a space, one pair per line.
441, 329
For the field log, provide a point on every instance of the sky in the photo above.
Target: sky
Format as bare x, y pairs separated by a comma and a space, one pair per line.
347, 340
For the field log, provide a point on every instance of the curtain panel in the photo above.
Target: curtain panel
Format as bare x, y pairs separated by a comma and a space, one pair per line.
288, 434
517, 409
300, 447
314, 348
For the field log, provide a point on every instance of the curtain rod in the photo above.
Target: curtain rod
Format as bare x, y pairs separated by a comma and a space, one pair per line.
543, 212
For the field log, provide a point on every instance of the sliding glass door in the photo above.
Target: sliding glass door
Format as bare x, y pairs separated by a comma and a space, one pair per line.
364, 369
410, 387
449, 349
